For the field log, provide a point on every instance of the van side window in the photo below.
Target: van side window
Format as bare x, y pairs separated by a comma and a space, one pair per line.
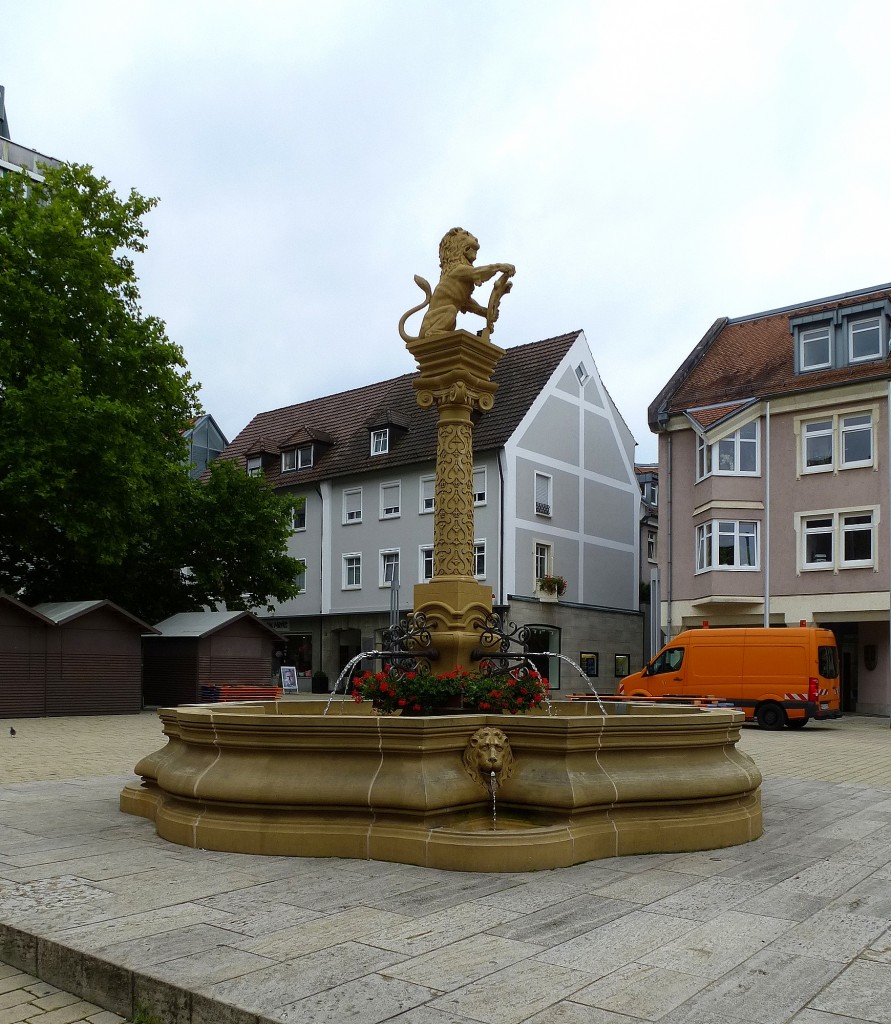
827, 660
668, 661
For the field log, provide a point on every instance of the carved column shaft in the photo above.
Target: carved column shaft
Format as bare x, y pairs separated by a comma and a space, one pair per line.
453, 507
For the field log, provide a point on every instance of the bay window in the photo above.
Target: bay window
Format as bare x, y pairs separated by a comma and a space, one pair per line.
726, 544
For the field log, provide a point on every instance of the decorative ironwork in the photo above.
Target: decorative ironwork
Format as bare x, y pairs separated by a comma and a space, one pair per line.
408, 645
502, 642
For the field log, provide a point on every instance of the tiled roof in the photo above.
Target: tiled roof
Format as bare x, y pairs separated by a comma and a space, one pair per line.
521, 374
753, 357
713, 413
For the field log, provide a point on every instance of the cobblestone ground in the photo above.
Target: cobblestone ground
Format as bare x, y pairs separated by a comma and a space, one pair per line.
792, 928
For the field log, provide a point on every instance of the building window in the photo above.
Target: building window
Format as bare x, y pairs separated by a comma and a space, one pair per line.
544, 560
254, 465
726, 544
390, 500
651, 545
380, 442
836, 442
734, 455
479, 486
301, 580
581, 371
426, 565
389, 568
864, 340
352, 505
815, 347
304, 457
352, 571
289, 460
479, 559
543, 494
298, 518
839, 539
428, 494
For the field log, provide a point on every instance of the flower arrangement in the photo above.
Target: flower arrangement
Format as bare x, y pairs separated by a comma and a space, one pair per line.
552, 584
420, 693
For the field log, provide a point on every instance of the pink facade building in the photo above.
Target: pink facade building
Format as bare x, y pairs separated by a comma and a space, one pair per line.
774, 450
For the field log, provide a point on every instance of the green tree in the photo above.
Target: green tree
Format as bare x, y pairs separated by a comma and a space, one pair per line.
94, 497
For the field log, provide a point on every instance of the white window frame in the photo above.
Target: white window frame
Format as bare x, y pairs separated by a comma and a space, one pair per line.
289, 460
480, 485
710, 540
837, 524
391, 511
847, 426
352, 515
542, 561
479, 558
380, 441
861, 326
386, 557
254, 465
543, 485
651, 545
839, 424
294, 521
351, 562
301, 580
305, 457
427, 496
581, 372
709, 454
810, 337
425, 560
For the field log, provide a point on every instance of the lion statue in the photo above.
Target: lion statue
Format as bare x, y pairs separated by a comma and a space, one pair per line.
488, 751
454, 293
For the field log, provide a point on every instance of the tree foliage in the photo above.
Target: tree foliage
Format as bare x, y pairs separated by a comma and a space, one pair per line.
95, 499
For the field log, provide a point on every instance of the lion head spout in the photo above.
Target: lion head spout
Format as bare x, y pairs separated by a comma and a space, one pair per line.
488, 752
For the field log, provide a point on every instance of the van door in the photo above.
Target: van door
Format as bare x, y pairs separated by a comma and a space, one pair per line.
714, 667
665, 675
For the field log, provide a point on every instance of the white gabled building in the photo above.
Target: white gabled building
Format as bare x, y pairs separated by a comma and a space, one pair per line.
555, 491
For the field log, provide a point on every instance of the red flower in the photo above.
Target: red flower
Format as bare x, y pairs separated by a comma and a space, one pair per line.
402, 702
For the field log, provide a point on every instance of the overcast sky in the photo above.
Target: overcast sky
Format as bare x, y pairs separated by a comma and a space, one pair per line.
647, 166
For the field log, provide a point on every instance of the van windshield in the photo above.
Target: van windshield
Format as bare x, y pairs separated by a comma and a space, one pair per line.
668, 661
827, 660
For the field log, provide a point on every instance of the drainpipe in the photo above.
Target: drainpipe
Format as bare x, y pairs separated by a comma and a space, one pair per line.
500, 598
767, 515
669, 633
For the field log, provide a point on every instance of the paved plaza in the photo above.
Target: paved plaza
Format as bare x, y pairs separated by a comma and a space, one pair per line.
98, 915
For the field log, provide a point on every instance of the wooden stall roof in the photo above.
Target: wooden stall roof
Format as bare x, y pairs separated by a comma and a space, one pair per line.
26, 610
196, 625
63, 612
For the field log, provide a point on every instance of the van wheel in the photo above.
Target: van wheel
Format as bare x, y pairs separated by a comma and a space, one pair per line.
771, 716
797, 723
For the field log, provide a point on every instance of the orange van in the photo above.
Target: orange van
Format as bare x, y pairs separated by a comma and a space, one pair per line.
776, 676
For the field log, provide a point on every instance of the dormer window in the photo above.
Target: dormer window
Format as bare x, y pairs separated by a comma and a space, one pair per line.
865, 339
297, 458
846, 336
816, 348
254, 465
380, 441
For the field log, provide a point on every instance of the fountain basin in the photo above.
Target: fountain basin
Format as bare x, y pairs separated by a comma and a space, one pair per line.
286, 779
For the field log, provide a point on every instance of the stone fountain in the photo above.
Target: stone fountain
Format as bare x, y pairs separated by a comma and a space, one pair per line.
578, 784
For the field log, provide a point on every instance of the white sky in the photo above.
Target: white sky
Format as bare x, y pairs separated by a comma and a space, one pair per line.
648, 166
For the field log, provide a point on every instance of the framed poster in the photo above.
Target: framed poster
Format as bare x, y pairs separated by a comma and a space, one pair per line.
289, 678
590, 662
623, 665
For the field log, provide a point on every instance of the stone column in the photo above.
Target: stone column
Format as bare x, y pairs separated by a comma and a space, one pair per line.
456, 370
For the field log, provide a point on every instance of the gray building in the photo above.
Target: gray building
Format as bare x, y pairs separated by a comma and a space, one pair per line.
16, 158
555, 494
